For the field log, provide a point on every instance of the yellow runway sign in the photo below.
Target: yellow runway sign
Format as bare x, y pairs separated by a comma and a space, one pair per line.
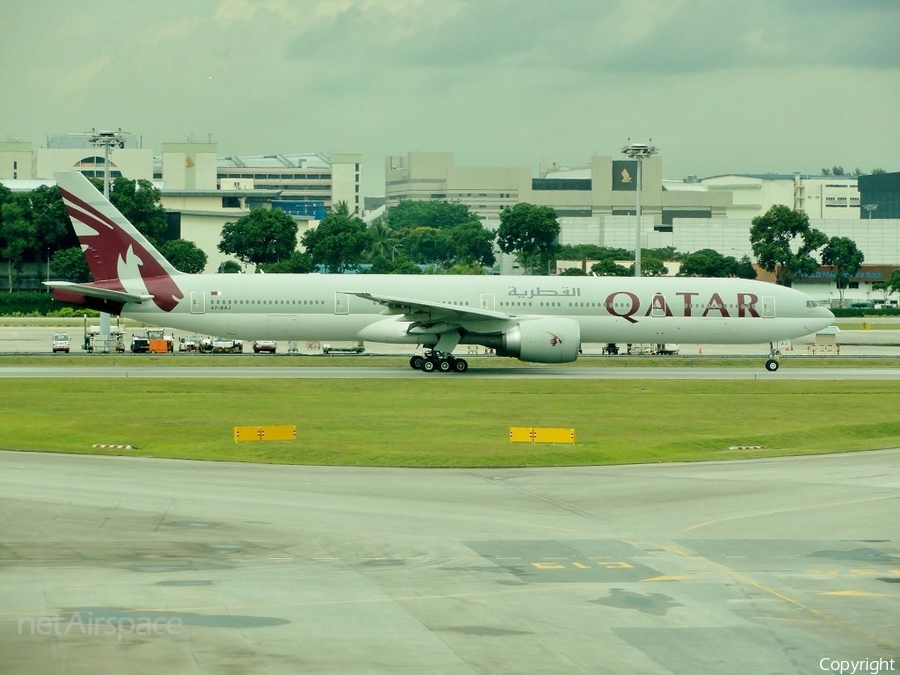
541, 435
272, 432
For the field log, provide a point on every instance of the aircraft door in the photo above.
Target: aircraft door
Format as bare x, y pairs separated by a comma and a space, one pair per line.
768, 306
198, 302
488, 301
341, 303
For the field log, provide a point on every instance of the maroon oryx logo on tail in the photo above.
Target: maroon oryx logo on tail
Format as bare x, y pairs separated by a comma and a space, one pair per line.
112, 246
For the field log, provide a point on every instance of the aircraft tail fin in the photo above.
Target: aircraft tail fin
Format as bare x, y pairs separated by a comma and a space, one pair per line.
120, 258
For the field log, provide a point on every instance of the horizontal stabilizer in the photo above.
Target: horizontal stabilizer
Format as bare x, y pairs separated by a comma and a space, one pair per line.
93, 291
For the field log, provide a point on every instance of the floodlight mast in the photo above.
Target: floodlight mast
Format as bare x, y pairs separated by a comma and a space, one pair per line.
107, 139
639, 152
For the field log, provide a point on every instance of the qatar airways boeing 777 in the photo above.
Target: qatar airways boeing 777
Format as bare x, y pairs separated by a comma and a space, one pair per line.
539, 319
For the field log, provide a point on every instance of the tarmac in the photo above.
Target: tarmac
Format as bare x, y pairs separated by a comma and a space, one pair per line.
25, 335
122, 564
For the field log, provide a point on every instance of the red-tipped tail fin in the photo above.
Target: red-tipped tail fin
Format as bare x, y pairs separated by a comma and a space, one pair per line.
119, 256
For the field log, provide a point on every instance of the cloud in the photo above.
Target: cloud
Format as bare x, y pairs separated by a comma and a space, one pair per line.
232, 11
609, 36
82, 77
171, 31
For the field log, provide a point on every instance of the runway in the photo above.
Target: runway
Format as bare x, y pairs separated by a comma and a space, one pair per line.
156, 370
766, 566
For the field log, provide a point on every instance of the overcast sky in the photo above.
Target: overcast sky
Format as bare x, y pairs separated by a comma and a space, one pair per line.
720, 86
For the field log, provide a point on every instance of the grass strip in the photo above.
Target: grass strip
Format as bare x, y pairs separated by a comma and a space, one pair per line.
450, 422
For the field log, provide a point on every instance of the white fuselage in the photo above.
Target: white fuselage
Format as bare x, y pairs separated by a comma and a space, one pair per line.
608, 309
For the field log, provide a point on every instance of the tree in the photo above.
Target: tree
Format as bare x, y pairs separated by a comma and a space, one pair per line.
784, 243
709, 263
300, 262
883, 287
426, 245
610, 268
650, 267
472, 244
339, 241
440, 215
745, 268
383, 241
532, 233
573, 272
17, 234
139, 202
842, 255
471, 269
229, 267
894, 281
51, 222
878, 171
68, 264
399, 264
262, 236
184, 255
837, 171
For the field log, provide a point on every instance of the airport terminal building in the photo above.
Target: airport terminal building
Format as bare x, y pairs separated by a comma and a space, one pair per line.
201, 191
596, 202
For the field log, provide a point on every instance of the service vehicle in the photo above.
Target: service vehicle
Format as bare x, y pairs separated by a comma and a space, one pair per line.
222, 345
95, 342
61, 343
269, 346
357, 348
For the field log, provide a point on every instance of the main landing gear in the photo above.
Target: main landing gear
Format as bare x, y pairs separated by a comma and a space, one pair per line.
439, 362
772, 362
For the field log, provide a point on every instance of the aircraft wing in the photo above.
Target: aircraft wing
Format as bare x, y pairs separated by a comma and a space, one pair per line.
427, 312
92, 291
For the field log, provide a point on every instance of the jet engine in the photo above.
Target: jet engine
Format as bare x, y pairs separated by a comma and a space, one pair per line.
542, 341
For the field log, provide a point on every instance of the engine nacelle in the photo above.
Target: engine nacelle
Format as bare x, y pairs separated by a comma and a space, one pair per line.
543, 341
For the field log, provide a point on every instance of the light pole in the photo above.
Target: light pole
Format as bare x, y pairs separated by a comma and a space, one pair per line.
870, 208
107, 139
639, 152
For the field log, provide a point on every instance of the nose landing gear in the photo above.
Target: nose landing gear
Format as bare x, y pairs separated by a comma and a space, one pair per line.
774, 355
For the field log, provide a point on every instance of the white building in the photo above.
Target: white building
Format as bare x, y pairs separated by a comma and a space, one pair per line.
820, 197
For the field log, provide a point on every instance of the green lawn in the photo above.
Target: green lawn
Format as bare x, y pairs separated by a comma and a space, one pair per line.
442, 421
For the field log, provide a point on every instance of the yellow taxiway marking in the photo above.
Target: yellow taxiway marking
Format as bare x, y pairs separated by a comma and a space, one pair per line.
773, 512
857, 594
671, 577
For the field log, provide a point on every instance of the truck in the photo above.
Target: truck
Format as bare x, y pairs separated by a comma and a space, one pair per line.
139, 344
192, 343
96, 343
61, 342
222, 345
159, 342
358, 348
